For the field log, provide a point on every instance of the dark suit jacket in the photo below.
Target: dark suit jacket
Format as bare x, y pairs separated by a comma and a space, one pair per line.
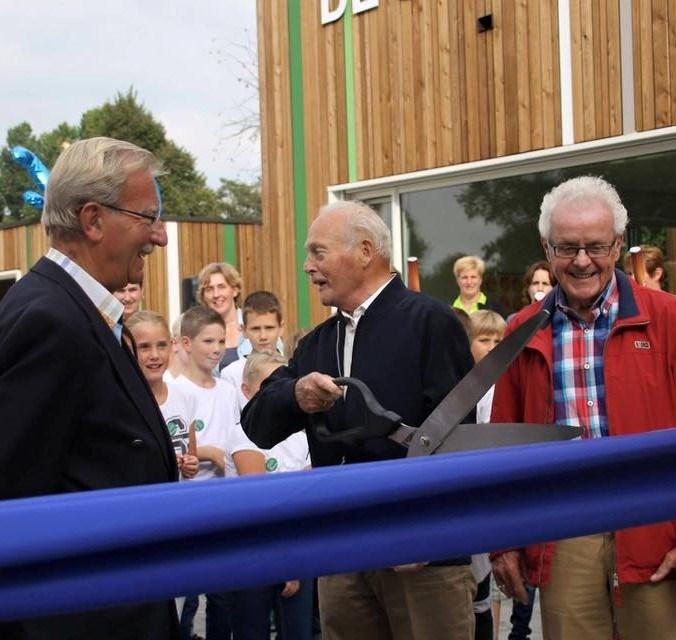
77, 414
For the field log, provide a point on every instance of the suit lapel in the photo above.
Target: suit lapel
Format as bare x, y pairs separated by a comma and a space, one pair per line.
124, 364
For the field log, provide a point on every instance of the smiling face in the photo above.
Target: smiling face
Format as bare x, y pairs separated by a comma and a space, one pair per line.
469, 281
126, 239
130, 297
153, 346
219, 295
540, 285
335, 266
206, 348
582, 278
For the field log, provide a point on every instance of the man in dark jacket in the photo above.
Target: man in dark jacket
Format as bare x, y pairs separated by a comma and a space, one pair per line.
410, 350
77, 412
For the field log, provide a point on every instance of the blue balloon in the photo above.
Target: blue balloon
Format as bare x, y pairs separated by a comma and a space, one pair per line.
37, 171
33, 165
34, 199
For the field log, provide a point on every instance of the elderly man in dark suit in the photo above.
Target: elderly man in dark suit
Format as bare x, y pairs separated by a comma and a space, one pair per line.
76, 411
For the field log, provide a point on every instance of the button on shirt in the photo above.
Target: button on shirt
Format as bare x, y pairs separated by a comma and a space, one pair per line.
579, 387
108, 305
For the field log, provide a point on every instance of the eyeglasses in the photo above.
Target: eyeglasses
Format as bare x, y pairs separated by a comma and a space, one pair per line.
153, 217
592, 250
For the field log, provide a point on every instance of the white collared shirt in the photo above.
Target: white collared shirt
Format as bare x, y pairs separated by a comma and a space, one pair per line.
352, 320
108, 305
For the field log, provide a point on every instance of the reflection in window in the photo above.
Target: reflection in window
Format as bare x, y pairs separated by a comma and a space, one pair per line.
497, 220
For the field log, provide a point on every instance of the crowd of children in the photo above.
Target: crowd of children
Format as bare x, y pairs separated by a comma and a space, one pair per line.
201, 396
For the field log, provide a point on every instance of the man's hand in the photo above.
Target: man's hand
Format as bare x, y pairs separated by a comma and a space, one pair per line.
510, 575
413, 567
316, 392
668, 564
290, 588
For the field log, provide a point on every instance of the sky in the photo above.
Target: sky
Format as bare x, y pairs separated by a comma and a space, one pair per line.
60, 58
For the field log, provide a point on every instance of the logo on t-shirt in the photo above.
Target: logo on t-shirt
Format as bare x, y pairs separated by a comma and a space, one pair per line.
271, 464
199, 425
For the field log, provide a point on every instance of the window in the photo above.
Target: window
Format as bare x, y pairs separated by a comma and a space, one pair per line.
496, 218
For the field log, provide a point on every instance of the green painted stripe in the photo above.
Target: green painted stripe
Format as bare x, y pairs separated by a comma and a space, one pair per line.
29, 247
229, 244
351, 116
298, 153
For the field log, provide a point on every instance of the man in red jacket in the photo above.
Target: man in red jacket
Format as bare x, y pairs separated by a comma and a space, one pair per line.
606, 362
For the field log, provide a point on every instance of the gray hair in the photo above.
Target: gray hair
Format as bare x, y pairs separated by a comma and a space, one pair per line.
579, 190
93, 170
363, 218
258, 361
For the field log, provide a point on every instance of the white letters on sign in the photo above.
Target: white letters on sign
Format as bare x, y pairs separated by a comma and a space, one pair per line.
358, 6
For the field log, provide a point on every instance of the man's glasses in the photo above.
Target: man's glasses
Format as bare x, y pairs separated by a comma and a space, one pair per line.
153, 217
570, 251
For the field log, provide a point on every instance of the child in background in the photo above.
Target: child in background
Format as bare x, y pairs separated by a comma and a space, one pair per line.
486, 330
263, 326
291, 601
218, 435
178, 360
151, 335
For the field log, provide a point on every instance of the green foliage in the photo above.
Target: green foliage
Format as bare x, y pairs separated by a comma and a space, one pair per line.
184, 189
14, 180
240, 201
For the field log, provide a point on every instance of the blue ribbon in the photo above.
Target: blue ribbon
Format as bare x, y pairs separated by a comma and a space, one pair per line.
80, 551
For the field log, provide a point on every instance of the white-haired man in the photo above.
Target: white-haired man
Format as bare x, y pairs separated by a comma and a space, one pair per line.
606, 362
77, 411
410, 350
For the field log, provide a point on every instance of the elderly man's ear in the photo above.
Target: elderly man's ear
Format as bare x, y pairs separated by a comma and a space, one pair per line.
91, 221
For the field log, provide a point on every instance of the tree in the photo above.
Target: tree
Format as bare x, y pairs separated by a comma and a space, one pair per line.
184, 189
14, 180
240, 201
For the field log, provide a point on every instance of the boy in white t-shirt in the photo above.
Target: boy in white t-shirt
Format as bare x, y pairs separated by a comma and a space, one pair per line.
292, 600
217, 413
263, 325
217, 431
486, 330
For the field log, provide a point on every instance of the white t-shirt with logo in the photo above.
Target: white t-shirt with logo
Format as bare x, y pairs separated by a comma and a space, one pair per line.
178, 411
216, 423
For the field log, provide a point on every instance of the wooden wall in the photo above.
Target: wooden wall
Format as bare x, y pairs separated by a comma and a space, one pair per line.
654, 29
596, 66
199, 244
432, 91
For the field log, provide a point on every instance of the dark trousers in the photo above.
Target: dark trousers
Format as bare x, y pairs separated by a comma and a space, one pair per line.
483, 629
217, 618
252, 609
521, 615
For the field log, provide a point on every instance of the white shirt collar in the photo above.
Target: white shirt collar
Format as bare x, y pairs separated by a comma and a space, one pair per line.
361, 309
108, 305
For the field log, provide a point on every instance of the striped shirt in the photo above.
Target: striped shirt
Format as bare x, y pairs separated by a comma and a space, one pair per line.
108, 305
579, 387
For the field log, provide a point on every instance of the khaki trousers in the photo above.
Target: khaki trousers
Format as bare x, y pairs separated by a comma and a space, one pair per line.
578, 604
435, 602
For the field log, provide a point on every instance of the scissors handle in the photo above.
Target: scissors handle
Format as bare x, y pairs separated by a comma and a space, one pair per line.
378, 421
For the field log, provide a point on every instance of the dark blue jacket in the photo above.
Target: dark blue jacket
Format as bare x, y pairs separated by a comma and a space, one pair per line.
410, 349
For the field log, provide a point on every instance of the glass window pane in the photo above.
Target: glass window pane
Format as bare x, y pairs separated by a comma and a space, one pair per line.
497, 221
